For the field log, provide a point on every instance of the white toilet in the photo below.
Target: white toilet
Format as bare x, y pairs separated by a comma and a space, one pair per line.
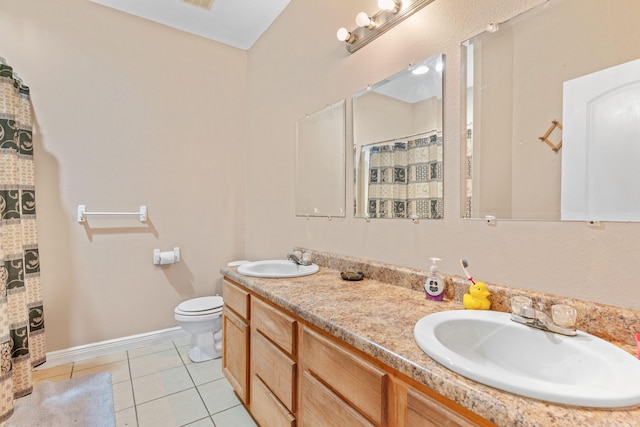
202, 318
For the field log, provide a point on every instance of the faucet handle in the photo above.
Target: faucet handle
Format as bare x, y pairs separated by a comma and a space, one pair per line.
518, 303
563, 315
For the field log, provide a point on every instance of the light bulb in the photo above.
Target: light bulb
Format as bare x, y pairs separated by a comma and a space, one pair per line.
363, 20
391, 5
342, 34
345, 36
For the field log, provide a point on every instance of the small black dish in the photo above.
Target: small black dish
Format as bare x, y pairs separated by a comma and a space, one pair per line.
352, 275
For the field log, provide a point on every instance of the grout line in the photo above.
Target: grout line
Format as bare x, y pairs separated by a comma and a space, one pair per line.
197, 421
226, 409
170, 394
195, 385
133, 393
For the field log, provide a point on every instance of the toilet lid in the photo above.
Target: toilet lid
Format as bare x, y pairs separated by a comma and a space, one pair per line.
201, 304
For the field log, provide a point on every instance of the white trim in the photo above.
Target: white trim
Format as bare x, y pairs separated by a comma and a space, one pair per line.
103, 348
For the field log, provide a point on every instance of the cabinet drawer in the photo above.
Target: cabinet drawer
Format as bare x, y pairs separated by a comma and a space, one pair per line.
423, 411
236, 298
274, 368
275, 325
320, 407
266, 409
358, 382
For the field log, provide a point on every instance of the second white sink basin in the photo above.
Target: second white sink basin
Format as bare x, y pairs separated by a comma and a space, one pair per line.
276, 268
486, 346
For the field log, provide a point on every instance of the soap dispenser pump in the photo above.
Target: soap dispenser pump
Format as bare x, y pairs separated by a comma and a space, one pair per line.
434, 286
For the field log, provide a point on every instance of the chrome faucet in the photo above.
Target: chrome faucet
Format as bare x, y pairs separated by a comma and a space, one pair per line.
298, 259
563, 320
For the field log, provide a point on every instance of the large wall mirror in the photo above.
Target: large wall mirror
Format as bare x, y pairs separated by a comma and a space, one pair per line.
517, 153
320, 162
397, 132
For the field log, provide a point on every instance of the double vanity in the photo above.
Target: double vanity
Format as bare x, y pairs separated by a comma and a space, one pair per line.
308, 350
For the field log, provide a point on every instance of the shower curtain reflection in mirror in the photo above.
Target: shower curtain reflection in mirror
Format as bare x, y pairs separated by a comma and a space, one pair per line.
404, 177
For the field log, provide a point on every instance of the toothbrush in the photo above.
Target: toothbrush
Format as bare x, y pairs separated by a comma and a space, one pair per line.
465, 264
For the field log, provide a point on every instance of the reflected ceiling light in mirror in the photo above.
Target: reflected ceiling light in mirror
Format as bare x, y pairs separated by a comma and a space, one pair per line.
391, 13
420, 70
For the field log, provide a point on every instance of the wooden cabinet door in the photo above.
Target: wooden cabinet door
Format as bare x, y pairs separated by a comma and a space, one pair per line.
235, 354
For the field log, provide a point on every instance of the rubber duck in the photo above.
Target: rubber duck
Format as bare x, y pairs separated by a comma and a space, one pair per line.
477, 298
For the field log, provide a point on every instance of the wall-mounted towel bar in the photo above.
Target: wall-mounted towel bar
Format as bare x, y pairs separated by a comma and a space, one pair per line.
82, 213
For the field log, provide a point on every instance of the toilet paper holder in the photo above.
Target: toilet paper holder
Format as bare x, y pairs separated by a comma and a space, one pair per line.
168, 257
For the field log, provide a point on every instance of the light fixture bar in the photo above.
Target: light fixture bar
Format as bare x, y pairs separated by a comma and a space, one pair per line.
385, 20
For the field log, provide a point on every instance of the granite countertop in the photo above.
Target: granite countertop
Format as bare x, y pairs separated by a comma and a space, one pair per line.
378, 318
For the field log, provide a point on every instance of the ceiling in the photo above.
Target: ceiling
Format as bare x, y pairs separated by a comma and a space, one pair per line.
238, 23
411, 88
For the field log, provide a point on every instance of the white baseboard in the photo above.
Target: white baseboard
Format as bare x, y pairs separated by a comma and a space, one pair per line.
103, 348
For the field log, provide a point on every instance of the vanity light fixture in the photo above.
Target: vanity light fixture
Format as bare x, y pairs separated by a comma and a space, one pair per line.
391, 13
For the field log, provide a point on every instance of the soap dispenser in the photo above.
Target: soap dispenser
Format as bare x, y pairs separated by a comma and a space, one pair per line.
434, 286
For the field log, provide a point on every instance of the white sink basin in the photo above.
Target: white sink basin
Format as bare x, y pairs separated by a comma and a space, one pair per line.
488, 347
276, 268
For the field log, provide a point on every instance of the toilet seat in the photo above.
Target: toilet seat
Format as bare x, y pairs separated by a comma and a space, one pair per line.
200, 306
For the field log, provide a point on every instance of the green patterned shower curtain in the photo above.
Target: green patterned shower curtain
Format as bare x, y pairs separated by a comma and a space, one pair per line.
22, 338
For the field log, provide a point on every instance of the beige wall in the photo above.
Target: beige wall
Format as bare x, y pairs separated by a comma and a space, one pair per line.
298, 66
128, 112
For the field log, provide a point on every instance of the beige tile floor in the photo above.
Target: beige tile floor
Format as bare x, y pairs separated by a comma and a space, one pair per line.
159, 386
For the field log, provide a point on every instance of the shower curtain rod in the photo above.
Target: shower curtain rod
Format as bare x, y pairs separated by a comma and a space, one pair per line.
436, 131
